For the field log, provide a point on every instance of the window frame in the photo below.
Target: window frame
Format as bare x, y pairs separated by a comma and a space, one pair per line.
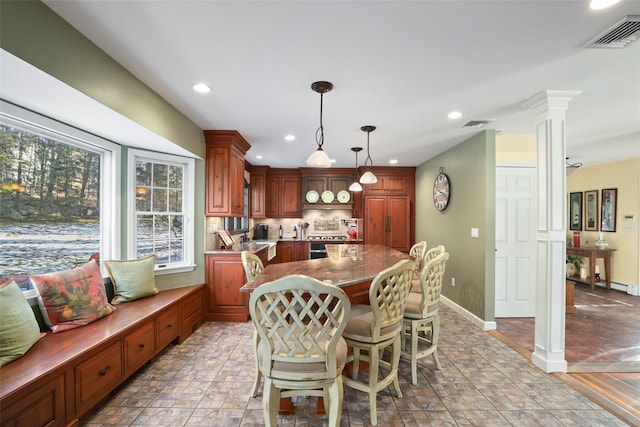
188, 201
110, 164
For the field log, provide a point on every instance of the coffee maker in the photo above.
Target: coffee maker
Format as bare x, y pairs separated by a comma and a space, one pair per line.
261, 232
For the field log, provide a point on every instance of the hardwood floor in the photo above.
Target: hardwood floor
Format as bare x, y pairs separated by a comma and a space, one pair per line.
602, 348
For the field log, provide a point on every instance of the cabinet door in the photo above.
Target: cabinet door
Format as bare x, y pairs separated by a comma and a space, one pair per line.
258, 200
42, 406
301, 252
312, 182
97, 376
398, 226
167, 328
339, 183
290, 197
217, 183
272, 197
224, 278
138, 348
375, 220
285, 252
389, 184
236, 178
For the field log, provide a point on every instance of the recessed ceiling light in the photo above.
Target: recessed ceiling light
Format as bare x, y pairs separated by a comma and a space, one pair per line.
258, 157
602, 4
201, 88
455, 115
393, 161
289, 137
332, 160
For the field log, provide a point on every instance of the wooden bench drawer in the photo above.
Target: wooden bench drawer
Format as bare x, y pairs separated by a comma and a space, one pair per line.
97, 376
167, 328
43, 407
138, 348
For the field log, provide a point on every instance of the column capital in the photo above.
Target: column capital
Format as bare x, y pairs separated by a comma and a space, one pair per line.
551, 100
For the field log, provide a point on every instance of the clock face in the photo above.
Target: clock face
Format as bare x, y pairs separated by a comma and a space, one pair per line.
441, 191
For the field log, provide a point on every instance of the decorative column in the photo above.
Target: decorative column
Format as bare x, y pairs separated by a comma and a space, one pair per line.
550, 107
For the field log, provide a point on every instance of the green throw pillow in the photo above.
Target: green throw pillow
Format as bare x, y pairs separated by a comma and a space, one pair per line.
72, 298
132, 279
19, 329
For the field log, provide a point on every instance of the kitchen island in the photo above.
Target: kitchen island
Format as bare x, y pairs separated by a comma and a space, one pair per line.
351, 267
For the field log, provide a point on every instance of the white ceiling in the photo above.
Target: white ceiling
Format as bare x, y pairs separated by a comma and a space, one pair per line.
401, 66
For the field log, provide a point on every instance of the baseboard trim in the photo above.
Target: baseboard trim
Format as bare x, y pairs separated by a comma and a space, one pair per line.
486, 326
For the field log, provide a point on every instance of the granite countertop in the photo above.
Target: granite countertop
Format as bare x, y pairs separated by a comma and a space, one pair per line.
346, 264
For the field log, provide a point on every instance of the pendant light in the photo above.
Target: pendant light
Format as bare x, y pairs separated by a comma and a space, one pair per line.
368, 177
355, 186
319, 158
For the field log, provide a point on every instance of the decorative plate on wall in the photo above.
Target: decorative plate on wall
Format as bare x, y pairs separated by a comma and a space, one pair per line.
327, 196
344, 196
312, 196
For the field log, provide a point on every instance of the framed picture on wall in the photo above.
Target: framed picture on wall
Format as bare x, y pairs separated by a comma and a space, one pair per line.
608, 209
575, 211
591, 210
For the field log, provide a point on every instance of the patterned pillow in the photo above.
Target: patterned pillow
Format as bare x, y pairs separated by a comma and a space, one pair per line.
132, 279
19, 329
72, 298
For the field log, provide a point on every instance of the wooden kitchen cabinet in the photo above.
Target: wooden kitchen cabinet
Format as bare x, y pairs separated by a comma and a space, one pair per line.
258, 191
138, 348
224, 172
389, 184
385, 221
97, 376
292, 251
284, 193
224, 277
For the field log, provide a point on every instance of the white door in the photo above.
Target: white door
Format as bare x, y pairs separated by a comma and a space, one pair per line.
515, 242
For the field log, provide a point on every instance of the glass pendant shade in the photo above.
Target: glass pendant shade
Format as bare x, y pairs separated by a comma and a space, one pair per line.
368, 178
355, 186
319, 159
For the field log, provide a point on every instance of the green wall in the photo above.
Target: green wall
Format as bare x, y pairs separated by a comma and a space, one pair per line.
37, 35
471, 169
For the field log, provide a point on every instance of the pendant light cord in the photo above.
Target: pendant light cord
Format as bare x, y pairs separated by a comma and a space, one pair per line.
368, 154
320, 141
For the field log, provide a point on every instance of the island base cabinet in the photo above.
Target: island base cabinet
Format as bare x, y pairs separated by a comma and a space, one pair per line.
43, 407
224, 278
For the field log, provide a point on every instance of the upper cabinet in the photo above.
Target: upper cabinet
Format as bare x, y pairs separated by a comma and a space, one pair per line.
321, 180
390, 183
258, 189
283, 193
224, 184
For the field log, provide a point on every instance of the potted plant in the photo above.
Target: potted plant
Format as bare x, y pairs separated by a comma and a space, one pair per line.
573, 265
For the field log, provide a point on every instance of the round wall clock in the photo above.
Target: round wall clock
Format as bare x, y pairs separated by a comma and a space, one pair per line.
441, 191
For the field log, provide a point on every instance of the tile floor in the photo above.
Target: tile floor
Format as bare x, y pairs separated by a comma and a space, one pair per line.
207, 380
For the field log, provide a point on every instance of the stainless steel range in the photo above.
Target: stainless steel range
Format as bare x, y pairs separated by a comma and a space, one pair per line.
317, 243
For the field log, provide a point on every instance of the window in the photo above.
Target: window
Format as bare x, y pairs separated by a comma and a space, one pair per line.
161, 213
57, 195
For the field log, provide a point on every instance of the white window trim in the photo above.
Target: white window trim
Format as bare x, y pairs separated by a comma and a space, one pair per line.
110, 164
187, 198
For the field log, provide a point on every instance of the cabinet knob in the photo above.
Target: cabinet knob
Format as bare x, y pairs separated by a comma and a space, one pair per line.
141, 345
104, 371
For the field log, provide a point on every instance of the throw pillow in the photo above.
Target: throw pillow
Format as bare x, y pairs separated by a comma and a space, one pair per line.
19, 329
132, 279
72, 298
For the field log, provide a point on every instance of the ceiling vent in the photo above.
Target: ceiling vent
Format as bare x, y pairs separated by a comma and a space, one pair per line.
620, 35
476, 123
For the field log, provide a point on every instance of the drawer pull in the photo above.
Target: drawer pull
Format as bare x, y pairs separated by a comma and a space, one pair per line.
141, 345
104, 371
169, 326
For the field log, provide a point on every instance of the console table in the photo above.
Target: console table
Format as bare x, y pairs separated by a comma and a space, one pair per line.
593, 254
